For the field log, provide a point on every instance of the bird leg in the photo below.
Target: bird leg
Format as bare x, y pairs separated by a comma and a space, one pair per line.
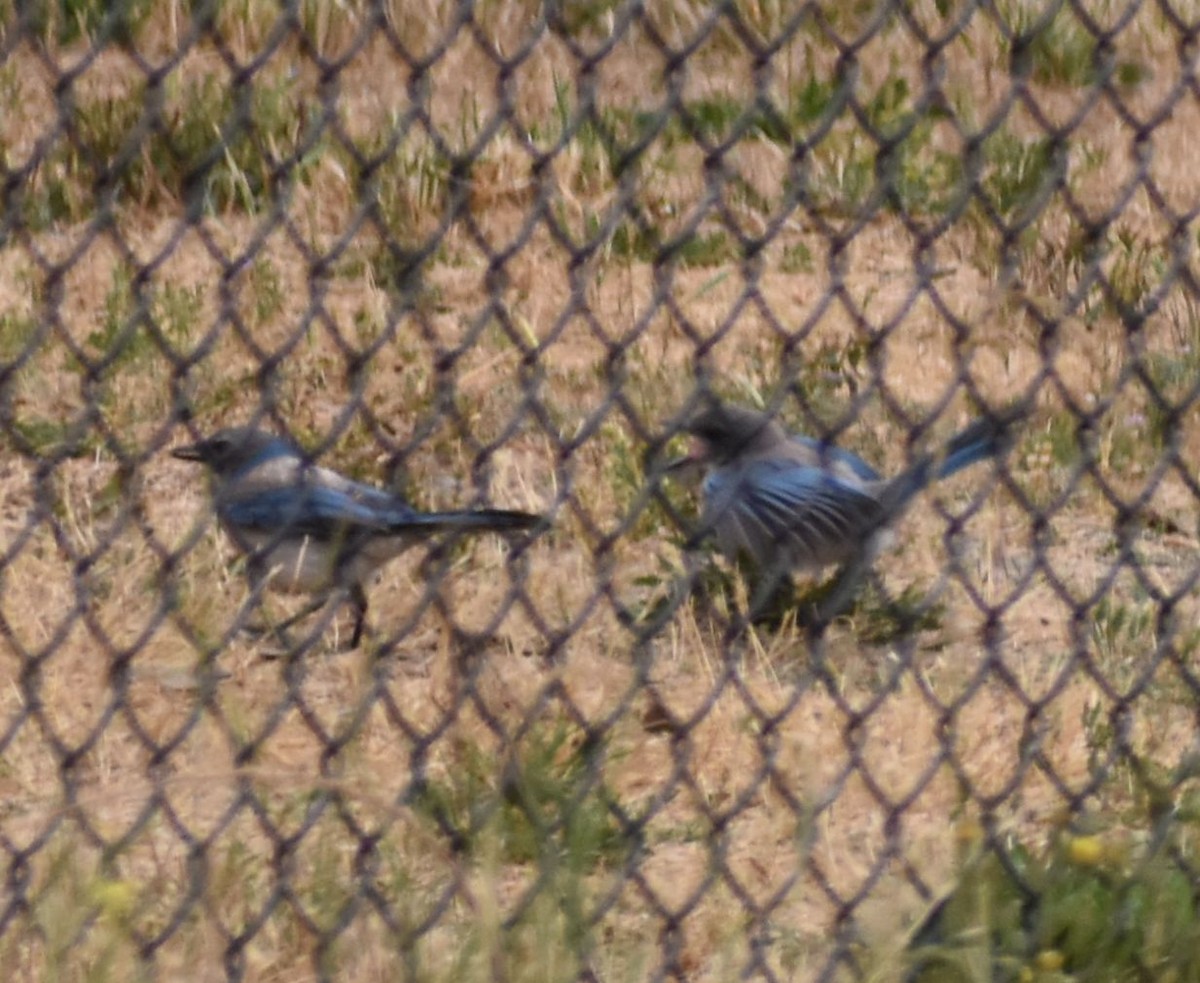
279, 630
258, 574
839, 594
772, 593
312, 607
358, 600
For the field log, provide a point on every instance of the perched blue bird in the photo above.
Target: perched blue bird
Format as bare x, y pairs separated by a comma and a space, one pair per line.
308, 529
795, 503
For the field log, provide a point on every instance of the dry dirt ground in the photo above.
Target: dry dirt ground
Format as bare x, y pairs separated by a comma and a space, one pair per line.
805, 792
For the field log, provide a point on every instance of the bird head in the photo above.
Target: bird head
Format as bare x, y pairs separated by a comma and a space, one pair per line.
721, 434
234, 449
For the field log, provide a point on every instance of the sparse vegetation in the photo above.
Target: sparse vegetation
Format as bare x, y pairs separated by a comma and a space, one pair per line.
545, 805
1115, 904
485, 260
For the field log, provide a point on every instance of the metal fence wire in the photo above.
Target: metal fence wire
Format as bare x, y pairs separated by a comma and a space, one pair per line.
505, 255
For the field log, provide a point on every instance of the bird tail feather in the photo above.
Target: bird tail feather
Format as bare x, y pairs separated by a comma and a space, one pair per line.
480, 520
983, 438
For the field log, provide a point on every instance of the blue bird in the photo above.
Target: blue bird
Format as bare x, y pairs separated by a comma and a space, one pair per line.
307, 529
796, 503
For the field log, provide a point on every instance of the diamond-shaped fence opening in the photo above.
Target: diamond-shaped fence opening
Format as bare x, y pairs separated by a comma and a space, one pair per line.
509, 264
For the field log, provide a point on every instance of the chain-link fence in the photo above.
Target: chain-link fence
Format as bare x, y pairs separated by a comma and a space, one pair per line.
500, 255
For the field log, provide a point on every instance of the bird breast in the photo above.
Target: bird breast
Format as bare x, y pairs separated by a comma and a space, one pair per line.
307, 565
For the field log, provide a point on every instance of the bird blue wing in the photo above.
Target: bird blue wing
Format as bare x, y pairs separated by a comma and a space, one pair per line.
809, 514
367, 495
830, 454
312, 510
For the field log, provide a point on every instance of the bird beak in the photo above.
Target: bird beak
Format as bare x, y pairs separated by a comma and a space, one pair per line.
190, 452
697, 455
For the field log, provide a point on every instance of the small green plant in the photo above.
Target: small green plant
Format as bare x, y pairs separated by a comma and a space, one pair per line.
1130, 74
66, 21
894, 157
1058, 50
1123, 447
878, 619
266, 291
581, 16
41, 436
632, 241
10, 83
839, 173
813, 100
17, 333
822, 380
1136, 270
1019, 175
626, 477
177, 312
593, 138
261, 127
1061, 50
202, 139
797, 258
122, 335
714, 119
1062, 439
74, 910
1085, 908
1171, 372
407, 180
924, 179
545, 803
1123, 635
713, 249
850, 19
1047, 457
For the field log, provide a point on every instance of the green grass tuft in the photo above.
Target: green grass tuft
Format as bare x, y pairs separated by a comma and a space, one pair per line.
545, 804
